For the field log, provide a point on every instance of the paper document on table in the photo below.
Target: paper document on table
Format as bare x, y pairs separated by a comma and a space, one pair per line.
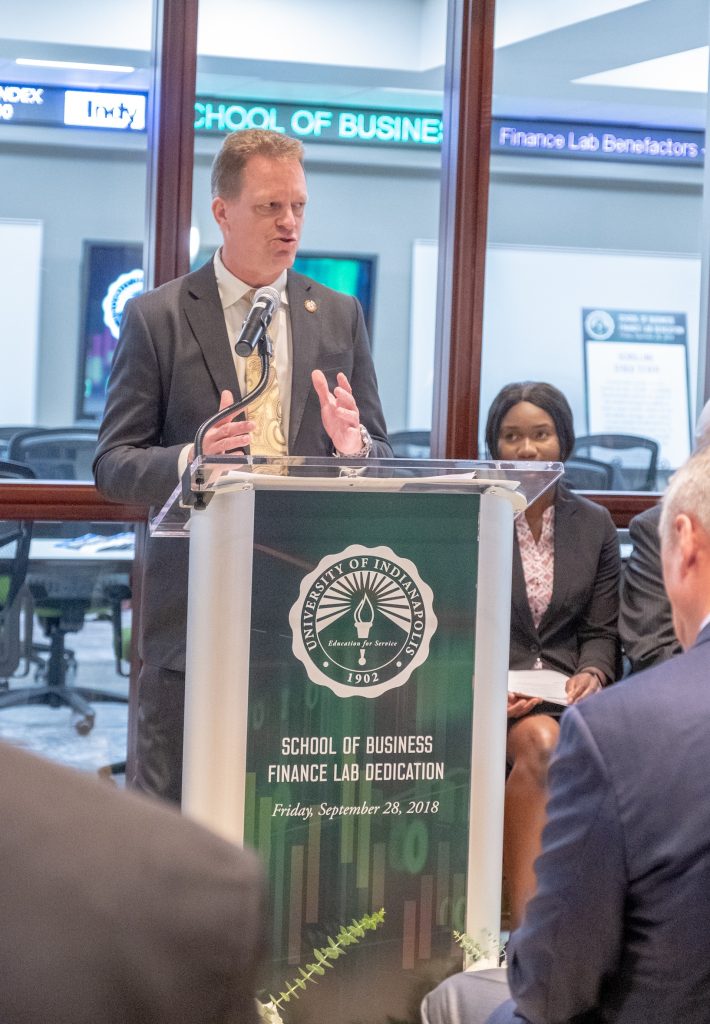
539, 682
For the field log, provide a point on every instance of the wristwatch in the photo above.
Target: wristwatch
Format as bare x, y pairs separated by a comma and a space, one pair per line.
364, 450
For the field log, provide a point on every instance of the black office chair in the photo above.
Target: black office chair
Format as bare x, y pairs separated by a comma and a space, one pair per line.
55, 453
588, 474
634, 460
62, 600
15, 538
6, 432
67, 453
411, 444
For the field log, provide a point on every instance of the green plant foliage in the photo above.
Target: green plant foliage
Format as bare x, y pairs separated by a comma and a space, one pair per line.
475, 951
323, 958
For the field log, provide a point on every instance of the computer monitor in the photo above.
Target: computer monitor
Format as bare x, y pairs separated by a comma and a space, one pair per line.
353, 275
112, 274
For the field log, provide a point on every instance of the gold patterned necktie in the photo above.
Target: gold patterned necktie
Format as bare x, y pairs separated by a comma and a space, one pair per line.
268, 436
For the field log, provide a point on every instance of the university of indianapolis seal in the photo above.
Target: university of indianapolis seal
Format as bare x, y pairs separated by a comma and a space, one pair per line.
363, 621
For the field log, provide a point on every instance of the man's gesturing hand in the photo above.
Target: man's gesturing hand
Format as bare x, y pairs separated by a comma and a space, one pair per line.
226, 435
339, 413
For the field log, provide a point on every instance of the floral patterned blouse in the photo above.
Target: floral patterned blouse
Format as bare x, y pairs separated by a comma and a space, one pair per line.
538, 560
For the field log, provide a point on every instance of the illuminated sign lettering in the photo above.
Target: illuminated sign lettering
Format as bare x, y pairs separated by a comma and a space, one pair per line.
321, 124
58, 107
598, 141
20, 94
405, 128
27, 101
126, 111
122, 110
234, 117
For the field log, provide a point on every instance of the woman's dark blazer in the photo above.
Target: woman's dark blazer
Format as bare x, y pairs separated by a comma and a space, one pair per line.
579, 629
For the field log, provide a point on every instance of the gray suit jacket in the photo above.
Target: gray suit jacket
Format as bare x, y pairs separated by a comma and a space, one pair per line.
645, 617
171, 364
116, 909
579, 628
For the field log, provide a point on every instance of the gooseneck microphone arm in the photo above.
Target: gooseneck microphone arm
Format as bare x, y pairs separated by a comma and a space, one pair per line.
253, 334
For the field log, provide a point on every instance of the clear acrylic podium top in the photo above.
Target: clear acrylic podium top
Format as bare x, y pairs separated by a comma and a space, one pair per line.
519, 482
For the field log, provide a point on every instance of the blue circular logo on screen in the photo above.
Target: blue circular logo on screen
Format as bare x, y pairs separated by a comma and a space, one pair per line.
599, 324
125, 287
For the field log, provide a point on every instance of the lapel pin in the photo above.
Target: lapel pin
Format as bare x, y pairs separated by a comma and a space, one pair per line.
311, 305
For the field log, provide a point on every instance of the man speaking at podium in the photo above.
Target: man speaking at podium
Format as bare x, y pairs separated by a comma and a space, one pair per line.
175, 365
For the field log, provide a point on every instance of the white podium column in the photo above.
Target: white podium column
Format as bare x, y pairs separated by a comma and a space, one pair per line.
490, 696
217, 668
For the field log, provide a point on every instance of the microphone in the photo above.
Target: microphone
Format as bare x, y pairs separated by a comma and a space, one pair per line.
266, 301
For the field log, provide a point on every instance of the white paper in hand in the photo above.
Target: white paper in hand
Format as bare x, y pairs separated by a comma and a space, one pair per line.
539, 682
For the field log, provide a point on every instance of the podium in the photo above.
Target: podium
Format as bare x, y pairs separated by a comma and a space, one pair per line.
345, 710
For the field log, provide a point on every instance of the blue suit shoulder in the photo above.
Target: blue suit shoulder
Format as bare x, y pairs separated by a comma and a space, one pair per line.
650, 701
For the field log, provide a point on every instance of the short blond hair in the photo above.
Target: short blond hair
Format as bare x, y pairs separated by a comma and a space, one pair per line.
228, 166
688, 493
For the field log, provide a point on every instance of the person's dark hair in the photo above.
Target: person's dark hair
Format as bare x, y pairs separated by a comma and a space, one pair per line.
237, 148
546, 397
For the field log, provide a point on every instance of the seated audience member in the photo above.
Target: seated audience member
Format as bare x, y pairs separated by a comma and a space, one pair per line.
618, 928
563, 615
645, 620
645, 623
116, 910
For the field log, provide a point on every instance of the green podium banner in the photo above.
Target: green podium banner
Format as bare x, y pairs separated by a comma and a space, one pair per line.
359, 742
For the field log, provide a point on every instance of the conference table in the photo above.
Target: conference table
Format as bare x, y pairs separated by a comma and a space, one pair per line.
112, 552
80, 567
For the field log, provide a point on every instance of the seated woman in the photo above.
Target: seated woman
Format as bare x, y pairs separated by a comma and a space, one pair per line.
565, 601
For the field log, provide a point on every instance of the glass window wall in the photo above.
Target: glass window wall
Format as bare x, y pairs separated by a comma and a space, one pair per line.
362, 87
594, 237
74, 87
74, 83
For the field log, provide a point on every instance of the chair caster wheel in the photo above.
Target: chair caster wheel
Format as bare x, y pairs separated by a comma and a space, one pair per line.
84, 725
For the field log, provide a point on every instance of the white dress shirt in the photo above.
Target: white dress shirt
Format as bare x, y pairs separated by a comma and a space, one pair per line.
232, 294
